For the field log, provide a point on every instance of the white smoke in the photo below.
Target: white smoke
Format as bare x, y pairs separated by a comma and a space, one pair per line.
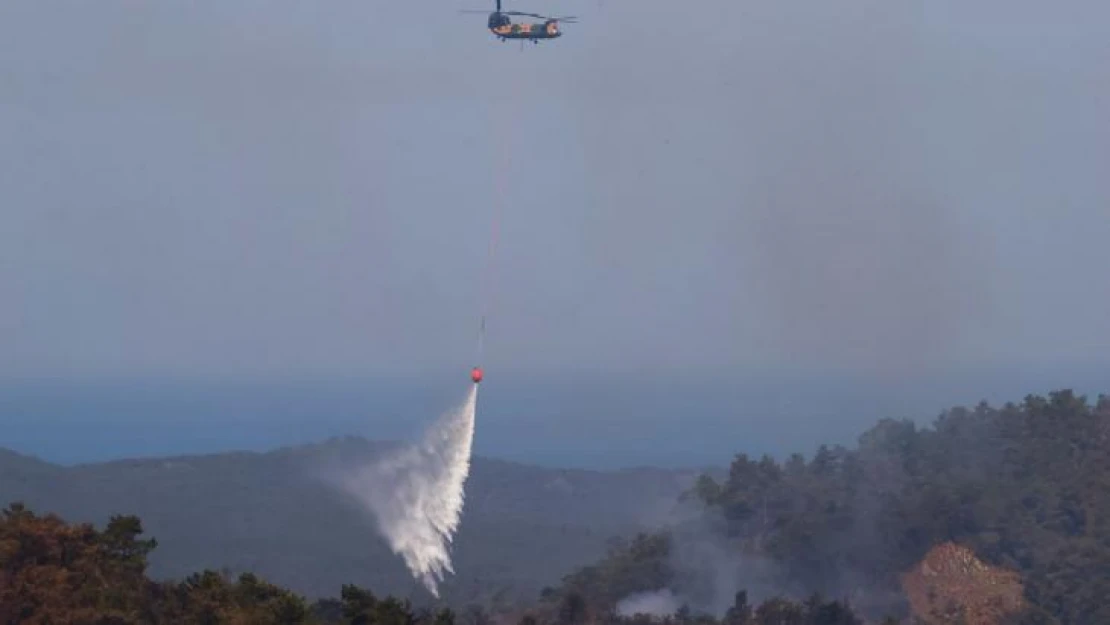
416, 494
708, 568
660, 603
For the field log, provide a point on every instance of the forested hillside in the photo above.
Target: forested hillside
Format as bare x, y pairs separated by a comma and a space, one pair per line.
993, 515
53, 572
271, 514
1025, 487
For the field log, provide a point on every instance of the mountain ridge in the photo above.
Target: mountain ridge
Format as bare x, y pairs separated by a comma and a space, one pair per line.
272, 512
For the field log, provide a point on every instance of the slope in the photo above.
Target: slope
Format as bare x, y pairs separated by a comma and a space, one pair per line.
270, 513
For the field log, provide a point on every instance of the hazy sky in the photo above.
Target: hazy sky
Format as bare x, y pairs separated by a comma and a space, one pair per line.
279, 189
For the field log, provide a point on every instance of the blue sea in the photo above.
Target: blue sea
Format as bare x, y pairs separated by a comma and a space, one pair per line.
591, 423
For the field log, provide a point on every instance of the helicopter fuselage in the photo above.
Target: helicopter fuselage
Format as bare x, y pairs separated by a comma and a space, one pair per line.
504, 28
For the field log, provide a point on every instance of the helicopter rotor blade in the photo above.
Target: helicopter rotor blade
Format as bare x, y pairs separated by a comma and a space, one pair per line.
570, 19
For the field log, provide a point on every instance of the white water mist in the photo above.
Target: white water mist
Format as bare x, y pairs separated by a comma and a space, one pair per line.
416, 494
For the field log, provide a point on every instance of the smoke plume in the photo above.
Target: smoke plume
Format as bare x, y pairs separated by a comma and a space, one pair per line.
661, 603
416, 494
707, 568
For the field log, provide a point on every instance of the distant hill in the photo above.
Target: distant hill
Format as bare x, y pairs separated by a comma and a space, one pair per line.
523, 528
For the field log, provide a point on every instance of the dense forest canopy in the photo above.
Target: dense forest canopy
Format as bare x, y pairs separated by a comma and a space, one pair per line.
53, 572
1025, 488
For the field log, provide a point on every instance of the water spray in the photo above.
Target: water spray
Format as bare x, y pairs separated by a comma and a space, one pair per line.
416, 494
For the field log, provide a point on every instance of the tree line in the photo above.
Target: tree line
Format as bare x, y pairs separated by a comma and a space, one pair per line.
53, 572
1024, 486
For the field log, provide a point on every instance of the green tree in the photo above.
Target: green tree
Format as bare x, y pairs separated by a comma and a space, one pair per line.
444, 616
573, 609
741, 611
359, 606
779, 611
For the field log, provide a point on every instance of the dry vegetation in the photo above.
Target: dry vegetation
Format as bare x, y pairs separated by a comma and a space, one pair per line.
950, 585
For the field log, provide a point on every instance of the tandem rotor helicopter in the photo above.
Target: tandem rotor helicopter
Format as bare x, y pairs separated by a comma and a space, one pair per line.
501, 25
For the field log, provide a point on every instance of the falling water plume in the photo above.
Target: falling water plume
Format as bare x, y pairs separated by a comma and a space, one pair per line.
416, 494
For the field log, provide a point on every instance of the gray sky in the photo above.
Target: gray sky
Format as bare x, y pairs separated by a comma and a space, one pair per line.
284, 189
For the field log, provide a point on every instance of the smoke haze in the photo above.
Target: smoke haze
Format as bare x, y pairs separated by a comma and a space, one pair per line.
242, 190
710, 567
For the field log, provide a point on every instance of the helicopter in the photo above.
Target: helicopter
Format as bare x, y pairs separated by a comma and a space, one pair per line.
501, 25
